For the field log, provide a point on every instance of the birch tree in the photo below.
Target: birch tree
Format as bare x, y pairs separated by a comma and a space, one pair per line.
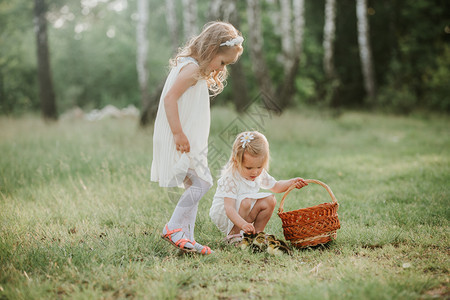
299, 25
287, 44
172, 24
365, 52
190, 18
239, 82
46, 92
293, 47
329, 30
256, 43
215, 9
190, 30
142, 48
147, 106
227, 11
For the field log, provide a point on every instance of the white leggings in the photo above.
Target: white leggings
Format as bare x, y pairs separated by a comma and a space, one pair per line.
185, 212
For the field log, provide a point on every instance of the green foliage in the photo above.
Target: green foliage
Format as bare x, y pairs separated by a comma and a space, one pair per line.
437, 89
97, 64
347, 61
17, 64
397, 96
418, 57
399, 99
80, 219
92, 49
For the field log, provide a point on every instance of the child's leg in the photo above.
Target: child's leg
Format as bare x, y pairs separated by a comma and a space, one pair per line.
185, 212
261, 212
244, 211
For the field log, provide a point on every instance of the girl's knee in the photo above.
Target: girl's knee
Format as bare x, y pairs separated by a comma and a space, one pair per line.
271, 201
246, 204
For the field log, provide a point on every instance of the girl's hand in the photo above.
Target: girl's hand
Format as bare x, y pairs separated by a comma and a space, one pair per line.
181, 142
248, 228
299, 182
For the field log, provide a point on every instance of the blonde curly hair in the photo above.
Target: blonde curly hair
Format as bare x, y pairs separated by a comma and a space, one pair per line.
205, 46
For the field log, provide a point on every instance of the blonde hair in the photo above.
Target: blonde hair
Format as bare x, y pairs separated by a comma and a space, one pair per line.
258, 146
205, 47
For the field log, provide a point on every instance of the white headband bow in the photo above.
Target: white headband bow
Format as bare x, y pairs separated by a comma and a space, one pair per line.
233, 42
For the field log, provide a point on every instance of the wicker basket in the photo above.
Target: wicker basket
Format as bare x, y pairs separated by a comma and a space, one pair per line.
313, 225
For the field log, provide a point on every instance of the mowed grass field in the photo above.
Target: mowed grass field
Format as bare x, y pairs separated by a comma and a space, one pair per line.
80, 219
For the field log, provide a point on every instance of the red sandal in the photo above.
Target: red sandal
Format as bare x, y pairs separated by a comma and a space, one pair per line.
180, 244
205, 250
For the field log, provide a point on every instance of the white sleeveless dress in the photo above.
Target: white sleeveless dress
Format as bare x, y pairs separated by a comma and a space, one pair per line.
169, 166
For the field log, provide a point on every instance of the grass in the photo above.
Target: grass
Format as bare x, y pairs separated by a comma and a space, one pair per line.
80, 219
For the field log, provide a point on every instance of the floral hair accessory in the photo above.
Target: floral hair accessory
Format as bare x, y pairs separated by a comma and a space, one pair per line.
246, 138
233, 42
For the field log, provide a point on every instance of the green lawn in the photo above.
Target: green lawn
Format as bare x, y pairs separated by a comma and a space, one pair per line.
80, 219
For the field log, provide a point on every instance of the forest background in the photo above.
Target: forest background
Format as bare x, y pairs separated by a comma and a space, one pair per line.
79, 218
95, 52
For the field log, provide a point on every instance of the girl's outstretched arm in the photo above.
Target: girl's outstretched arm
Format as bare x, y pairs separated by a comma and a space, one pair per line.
185, 79
282, 185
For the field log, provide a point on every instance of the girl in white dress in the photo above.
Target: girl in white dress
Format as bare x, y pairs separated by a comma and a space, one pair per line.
238, 205
180, 139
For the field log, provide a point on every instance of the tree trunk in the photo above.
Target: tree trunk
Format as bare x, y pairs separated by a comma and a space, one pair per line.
190, 29
365, 52
286, 89
256, 54
287, 45
190, 18
142, 60
6, 103
46, 92
215, 10
172, 24
151, 106
329, 30
142, 49
329, 92
299, 25
227, 11
239, 82
293, 49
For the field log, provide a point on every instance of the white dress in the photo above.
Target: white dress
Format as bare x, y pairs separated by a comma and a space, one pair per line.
233, 185
169, 166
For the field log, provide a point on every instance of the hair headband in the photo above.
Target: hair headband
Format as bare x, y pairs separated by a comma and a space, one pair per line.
233, 42
246, 138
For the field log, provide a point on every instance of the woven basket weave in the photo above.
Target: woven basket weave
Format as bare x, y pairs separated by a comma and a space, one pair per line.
313, 225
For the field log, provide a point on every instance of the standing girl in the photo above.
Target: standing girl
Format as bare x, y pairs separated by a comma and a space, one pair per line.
238, 205
180, 139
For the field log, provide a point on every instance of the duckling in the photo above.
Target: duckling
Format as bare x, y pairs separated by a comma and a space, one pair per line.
273, 246
270, 237
285, 248
278, 247
283, 244
247, 240
259, 243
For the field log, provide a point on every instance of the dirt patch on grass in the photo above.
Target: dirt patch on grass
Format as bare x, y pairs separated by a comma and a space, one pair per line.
441, 292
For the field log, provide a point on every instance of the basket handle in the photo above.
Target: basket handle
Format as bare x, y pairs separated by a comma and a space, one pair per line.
280, 210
